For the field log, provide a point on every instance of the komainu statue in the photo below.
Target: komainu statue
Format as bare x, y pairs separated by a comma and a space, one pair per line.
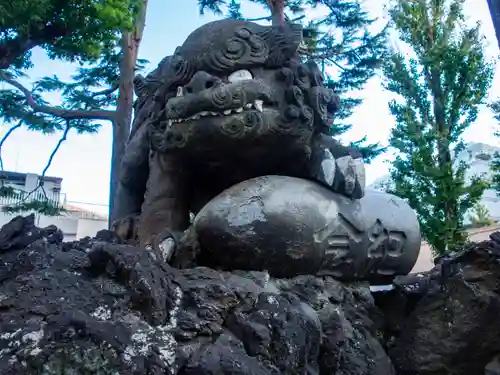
233, 130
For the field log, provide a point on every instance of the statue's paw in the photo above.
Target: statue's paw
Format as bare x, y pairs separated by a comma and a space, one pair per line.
126, 229
344, 175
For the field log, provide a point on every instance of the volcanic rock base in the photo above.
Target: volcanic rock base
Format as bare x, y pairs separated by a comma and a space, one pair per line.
99, 307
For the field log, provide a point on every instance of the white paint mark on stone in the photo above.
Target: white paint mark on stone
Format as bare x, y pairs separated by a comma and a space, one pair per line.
9, 335
328, 167
167, 247
35, 352
272, 300
29, 343
348, 169
161, 337
101, 313
245, 214
35, 336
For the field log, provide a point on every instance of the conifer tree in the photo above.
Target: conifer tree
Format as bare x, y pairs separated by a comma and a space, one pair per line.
340, 43
438, 94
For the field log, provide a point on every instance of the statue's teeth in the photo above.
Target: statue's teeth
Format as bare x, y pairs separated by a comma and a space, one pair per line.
204, 113
248, 105
227, 112
238, 110
179, 91
258, 105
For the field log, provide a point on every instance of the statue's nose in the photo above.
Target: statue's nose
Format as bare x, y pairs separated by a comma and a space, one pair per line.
201, 81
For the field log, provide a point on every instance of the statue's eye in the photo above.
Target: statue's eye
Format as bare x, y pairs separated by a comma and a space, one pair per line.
240, 75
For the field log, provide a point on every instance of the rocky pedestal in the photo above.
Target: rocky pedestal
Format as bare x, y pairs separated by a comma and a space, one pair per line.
99, 307
445, 322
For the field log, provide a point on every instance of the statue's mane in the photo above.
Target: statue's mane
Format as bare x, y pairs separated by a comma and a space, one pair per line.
228, 45
217, 46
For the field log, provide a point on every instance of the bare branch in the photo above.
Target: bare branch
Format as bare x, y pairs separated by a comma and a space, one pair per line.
268, 18
40, 184
54, 151
55, 111
12, 49
9, 132
336, 63
327, 57
296, 19
38, 33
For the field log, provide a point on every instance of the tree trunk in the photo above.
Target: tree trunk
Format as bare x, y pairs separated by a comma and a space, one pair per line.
277, 8
9, 53
14, 49
130, 43
495, 17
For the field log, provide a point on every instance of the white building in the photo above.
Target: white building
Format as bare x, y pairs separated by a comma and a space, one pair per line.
75, 223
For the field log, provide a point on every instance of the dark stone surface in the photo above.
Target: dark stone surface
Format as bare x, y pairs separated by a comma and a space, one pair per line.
290, 226
449, 323
211, 116
97, 307
236, 102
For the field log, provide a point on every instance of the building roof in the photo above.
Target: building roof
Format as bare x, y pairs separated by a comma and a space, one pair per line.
18, 175
85, 213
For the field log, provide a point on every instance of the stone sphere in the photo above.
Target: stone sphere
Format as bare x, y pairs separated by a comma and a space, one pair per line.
290, 226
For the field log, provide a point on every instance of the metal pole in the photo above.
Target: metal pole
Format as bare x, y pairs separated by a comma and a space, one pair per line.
494, 6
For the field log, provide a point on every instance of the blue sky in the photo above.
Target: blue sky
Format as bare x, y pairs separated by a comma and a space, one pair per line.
84, 160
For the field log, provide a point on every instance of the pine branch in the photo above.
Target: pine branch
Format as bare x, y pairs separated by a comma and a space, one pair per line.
267, 18
106, 92
54, 111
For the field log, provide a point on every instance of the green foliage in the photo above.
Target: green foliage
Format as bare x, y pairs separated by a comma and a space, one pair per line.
93, 87
233, 10
71, 29
34, 201
340, 43
480, 216
439, 92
